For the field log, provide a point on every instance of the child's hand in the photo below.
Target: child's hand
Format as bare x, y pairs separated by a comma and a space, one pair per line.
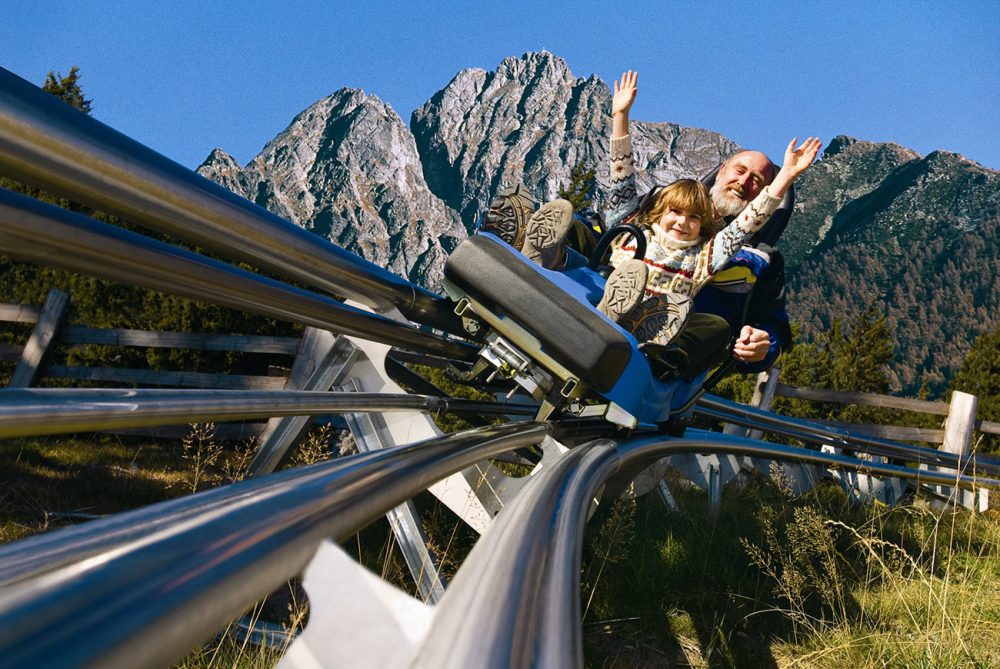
797, 160
624, 93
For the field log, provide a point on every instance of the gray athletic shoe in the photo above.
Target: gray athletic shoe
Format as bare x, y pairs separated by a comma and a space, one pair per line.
658, 318
546, 232
507, 217
624, 290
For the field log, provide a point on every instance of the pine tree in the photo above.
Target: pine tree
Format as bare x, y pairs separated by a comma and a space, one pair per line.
852, 357
580, 191
861, 357
67, 89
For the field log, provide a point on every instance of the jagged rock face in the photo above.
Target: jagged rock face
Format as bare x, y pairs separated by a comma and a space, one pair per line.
223, 169
922, 242
848, 170
531, 121
347, 168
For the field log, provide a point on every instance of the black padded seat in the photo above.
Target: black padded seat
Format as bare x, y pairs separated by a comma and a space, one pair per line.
571, 332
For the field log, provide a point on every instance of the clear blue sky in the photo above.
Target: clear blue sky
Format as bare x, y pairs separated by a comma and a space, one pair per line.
185, 77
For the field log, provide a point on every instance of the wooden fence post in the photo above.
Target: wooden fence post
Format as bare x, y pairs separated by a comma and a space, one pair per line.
50, 318
958, 431
763, 393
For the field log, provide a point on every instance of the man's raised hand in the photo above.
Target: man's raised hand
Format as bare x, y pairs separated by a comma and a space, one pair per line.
798, 159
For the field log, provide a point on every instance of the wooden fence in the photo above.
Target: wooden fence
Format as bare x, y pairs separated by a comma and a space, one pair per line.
955, 437
768, 387
50, 330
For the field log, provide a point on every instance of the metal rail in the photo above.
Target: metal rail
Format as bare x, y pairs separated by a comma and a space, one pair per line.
529, 561
47, 143
810, 432
38, 411
188, 577
53, 236
89, 594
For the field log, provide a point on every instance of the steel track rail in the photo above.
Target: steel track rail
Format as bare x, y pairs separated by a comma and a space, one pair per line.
53, 236
47, 143
40, 411
529, 560
817, 433
187, 577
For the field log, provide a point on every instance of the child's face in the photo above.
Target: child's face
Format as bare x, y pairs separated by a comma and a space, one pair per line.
680, 224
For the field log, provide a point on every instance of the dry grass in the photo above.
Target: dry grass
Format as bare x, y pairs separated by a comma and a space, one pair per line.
775, 581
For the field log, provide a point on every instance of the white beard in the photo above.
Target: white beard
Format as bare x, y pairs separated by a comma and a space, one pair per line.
726, 204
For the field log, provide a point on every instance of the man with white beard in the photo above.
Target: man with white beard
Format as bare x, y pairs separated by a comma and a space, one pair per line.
749, 292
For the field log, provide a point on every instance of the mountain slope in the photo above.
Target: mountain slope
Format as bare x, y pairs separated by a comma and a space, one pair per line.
347, 169
923, 244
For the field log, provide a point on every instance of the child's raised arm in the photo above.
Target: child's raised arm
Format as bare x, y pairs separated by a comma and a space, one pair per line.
621, 102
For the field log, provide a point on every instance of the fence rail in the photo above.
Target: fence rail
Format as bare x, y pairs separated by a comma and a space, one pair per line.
768, 387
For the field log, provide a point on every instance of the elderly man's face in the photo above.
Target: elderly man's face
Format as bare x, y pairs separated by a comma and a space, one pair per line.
740, 180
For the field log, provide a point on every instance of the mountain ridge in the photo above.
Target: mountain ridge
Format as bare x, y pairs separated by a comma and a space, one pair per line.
349, 169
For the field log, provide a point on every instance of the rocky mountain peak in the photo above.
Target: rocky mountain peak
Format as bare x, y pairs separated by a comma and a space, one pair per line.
531, 121
348, 169
837, 145
223, 169
533, 64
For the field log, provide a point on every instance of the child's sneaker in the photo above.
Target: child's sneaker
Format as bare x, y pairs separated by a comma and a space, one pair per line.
624, 289
507, 217
547, 230
658, 318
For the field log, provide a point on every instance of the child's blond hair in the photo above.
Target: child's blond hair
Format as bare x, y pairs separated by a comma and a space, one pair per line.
688, 194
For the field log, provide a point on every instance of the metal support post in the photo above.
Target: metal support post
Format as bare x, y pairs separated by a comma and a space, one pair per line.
322, 361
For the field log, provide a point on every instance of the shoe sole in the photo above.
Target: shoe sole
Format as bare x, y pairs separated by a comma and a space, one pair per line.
624, 290
659, 318
547, 228
508, 215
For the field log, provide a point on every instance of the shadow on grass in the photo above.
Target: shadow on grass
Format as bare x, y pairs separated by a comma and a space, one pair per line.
668, 589
51, 482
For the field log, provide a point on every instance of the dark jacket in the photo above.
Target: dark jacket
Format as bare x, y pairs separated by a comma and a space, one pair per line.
750, 290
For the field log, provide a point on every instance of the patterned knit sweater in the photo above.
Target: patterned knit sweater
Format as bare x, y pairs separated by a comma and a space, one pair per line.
676, 266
